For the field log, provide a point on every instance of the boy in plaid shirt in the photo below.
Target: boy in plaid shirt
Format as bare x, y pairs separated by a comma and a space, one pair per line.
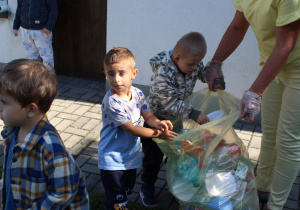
38, 172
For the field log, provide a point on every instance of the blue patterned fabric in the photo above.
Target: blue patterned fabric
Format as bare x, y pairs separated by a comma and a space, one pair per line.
43, 174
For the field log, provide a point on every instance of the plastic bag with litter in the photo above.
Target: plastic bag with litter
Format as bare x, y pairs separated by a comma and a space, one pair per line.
208, 166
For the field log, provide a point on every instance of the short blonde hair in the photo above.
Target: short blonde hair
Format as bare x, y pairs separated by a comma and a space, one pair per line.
118, 54
29, 81
193, 42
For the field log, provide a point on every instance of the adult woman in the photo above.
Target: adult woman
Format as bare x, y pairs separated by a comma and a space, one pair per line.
275, 24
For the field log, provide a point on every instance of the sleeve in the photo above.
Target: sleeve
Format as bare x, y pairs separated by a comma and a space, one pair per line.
63, 178
17, 20
237, 5
53, 13
288, 12
114, 113
200, 70
165, 91
145, 108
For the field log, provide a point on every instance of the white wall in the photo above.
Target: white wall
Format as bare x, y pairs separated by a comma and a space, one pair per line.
10, 46
149, 27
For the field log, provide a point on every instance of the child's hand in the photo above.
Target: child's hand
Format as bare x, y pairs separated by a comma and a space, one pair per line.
202, 119
46, 31
167, 135
163, 125
15, 32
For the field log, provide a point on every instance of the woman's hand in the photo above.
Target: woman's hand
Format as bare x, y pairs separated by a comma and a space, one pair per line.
249, 106
213, 72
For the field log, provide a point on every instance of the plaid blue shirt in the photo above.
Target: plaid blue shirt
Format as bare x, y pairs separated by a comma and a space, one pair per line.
43, 174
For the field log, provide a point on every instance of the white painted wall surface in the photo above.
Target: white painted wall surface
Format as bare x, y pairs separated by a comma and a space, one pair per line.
149, 27
10, 46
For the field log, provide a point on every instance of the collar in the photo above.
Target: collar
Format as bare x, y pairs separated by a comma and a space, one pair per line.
32, 138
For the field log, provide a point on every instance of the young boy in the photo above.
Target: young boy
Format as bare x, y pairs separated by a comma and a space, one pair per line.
36, 20
38, 171
119, 150
175, 73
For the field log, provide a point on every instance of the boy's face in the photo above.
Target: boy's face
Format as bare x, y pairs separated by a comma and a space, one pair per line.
120, 76
11, 111
188, 62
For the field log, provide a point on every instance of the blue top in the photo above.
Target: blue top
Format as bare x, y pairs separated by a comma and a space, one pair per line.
9, 203
36, 14
117, 149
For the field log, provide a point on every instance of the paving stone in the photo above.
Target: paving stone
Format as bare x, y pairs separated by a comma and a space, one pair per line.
244, 136
82, 159
72, 141
165, 199
92, 115
64, 124
91, 181
57, 101
51, 114
246, 132
57, 108
65, 136
68, 116
94, 145
248, 128
91, 124
99, 188
81, 110
96, 109
255, 142
76, 131
90, 168
93, 160
72, 108
254, 153
91, 152
80, 122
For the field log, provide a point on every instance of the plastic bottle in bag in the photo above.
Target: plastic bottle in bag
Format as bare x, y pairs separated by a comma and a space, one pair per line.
190, 170
224, 158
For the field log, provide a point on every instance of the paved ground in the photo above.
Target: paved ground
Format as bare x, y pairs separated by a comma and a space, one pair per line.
76, 114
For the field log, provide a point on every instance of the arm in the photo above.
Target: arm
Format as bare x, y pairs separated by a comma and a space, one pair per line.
151, 120
53, 13
231, 39
62, 182
164, 92
286, 38
17, 20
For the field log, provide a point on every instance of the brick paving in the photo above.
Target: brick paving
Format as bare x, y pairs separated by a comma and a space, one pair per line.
76, 114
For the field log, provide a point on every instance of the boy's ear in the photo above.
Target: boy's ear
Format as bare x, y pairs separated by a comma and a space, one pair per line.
134, 73
32, 109
177, 57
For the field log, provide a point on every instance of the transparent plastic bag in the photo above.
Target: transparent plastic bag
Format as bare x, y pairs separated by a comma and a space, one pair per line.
208, 165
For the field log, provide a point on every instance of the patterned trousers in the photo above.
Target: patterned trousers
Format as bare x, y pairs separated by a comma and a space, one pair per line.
38, 45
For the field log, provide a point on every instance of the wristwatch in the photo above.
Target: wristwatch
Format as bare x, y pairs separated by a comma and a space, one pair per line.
256, 96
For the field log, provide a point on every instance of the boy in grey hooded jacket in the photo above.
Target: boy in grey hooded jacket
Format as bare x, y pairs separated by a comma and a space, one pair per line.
175, 73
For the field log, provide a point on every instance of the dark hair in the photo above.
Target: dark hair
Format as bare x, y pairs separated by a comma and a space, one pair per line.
193, 42
28, 82
118, 54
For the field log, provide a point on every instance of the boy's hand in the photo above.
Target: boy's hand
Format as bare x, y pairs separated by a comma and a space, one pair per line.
15, 32
168, 135
163, 125
46, 31
202, 119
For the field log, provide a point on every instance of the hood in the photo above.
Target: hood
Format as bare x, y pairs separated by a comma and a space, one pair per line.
162, 59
